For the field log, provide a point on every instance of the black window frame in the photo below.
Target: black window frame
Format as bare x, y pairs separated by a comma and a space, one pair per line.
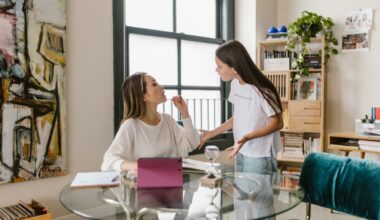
225, 28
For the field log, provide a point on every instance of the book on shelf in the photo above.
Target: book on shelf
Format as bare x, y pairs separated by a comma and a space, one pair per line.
296, 146
375, 113
369, 145
288, 183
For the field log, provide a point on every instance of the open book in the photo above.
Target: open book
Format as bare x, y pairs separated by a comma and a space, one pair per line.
196, 164
96, 179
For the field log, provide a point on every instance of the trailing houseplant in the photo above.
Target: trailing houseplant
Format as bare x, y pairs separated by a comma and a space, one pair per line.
302, 30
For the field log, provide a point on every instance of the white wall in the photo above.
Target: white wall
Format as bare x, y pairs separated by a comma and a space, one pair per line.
252, 19
245, 24
352, 78
89, 89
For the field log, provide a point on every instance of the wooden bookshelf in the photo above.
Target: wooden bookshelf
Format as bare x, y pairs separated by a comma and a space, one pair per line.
302, 116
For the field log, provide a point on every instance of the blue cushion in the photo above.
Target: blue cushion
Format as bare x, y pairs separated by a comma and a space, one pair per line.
342, 183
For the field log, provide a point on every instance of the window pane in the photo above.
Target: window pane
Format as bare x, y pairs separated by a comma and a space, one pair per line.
196, 17
198, 64
204, 107
168, 107
146, 55
151, 14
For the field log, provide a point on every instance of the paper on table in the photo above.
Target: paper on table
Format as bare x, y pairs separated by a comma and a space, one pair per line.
96, 179
196, 164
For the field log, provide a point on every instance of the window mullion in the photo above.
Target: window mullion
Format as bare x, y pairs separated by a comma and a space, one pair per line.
174, 16
179, 64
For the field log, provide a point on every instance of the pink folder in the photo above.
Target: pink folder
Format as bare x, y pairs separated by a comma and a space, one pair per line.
159, 172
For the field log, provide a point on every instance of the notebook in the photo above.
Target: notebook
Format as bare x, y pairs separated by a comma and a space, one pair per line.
96, 179
159, 172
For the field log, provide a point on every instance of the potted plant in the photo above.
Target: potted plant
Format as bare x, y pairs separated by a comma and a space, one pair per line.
302, 30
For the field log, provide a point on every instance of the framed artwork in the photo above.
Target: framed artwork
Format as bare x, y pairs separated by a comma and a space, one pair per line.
307, 89
32, 82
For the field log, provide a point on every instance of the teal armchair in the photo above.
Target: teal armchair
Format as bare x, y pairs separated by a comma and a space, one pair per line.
342, 183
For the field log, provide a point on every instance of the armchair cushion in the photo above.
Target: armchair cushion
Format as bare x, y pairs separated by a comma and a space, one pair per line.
342, 183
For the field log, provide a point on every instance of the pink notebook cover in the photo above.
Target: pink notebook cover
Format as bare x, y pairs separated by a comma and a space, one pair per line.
159, 172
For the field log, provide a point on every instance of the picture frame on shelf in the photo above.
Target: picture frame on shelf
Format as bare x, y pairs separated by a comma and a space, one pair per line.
307, 88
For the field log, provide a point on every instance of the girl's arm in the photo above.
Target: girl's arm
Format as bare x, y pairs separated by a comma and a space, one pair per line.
275, 123
207, 135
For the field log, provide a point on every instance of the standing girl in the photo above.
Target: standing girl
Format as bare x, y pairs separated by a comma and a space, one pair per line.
257, 115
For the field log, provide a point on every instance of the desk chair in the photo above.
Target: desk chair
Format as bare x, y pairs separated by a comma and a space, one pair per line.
342, 183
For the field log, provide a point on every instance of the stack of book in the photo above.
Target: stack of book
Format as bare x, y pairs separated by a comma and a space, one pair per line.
22, 210
293, 145
369, 145
290, 178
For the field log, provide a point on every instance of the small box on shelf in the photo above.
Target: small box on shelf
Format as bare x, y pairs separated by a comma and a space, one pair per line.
276, 64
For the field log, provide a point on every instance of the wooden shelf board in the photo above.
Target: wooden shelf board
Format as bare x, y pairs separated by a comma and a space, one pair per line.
282, 41
354, 135
343, 147
281, 158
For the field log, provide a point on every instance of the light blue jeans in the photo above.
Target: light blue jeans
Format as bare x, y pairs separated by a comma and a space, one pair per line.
263, 170
261, 165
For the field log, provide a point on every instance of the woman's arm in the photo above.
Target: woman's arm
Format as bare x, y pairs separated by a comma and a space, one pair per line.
115, 158
207, 135
128, 165
187, 137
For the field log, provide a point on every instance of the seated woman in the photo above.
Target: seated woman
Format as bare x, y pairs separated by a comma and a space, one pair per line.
146, 133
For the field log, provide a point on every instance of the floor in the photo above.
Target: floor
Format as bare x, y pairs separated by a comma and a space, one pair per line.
317, 213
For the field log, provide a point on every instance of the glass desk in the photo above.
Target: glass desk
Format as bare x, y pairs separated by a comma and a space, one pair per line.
240, 196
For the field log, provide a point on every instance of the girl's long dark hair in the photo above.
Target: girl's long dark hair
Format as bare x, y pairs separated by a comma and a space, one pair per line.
234, 54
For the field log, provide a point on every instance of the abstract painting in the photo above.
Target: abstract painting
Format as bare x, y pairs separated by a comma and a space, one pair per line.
32, 82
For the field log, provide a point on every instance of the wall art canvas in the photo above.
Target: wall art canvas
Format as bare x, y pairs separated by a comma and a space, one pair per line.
32, 82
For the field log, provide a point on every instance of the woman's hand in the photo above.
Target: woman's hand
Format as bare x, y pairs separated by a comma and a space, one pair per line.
181, 105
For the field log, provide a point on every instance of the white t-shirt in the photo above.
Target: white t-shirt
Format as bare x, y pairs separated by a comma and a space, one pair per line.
252, 112
136, 139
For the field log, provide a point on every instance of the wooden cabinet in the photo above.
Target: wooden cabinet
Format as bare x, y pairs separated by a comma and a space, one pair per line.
301, 115
349, 142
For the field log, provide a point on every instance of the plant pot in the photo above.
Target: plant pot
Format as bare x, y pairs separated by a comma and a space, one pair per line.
314, 28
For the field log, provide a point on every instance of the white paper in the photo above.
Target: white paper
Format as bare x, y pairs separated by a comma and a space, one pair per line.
359, 20
95, 179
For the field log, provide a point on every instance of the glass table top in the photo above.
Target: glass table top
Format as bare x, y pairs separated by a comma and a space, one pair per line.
242, 195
